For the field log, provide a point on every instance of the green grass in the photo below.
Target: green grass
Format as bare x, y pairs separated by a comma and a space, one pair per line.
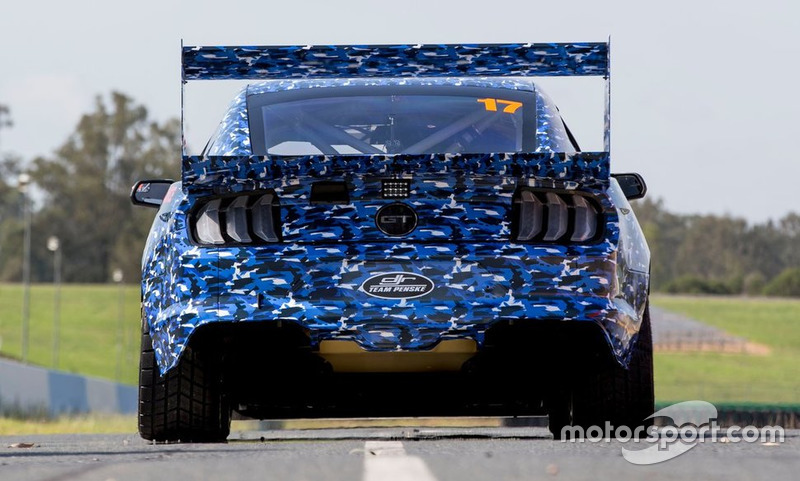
90, 330
121, 424
89, 338
87, 424
715, 377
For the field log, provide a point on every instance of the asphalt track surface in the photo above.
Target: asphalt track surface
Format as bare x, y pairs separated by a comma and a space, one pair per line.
387, 454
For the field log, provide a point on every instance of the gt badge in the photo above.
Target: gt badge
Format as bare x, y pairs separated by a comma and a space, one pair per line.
397, 285
396, 219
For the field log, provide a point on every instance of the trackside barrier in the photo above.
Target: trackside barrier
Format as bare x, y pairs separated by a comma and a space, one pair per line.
28, 390
728, 414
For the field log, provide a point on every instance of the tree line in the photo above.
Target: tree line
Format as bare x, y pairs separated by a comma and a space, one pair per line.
709, 254
80, 194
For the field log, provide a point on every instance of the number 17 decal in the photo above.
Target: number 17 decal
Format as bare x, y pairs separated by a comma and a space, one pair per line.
491, 105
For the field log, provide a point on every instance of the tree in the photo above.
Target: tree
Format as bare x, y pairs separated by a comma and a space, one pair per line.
712, 247
5, 118
789, 228
87, 181
786, 284
664, 232
10, 220
9, 169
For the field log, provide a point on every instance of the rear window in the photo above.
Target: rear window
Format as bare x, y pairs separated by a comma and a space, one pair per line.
392, 120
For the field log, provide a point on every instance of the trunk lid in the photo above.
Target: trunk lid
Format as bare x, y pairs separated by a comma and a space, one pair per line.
408, 198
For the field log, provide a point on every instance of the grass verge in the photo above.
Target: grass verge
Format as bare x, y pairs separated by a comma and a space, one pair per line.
88, 424
99, 333
725, 378
91, 316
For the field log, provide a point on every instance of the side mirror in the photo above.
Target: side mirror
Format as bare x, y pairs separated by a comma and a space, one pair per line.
632, 185
150, 193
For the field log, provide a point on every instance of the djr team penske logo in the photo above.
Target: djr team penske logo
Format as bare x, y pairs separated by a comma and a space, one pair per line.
397, 285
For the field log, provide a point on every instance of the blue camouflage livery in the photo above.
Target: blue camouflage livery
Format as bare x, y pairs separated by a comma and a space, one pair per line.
313, 279
313, 276
316, 284
237, 173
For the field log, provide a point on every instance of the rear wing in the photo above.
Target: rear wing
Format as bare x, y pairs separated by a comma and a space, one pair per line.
434, 60
341, 61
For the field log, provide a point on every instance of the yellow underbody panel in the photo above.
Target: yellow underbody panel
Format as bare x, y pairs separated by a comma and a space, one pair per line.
348, 356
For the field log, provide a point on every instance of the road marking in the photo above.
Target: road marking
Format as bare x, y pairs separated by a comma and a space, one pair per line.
387, 461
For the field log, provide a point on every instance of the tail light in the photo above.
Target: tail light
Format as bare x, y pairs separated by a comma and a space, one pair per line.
555, 217
244, 219
207, 226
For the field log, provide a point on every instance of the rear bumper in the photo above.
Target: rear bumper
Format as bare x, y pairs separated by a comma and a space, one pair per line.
317, 288
271, 372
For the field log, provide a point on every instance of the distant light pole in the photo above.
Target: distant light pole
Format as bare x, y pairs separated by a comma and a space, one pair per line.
117, 277
24, 181
5, 122
54, 246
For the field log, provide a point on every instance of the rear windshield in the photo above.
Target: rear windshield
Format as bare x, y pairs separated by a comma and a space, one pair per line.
393, 120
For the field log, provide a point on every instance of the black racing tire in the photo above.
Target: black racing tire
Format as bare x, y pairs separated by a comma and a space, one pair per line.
611, 393
185, 405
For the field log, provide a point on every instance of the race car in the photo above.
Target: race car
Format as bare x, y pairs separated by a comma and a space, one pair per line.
398, 230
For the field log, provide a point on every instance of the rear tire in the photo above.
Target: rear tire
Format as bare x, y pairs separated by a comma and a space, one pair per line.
611, 393
185, 405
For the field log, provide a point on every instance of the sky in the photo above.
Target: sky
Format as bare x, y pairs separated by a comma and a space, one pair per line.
705, 97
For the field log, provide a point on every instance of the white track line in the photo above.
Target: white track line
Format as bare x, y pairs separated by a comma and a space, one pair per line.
387, 461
